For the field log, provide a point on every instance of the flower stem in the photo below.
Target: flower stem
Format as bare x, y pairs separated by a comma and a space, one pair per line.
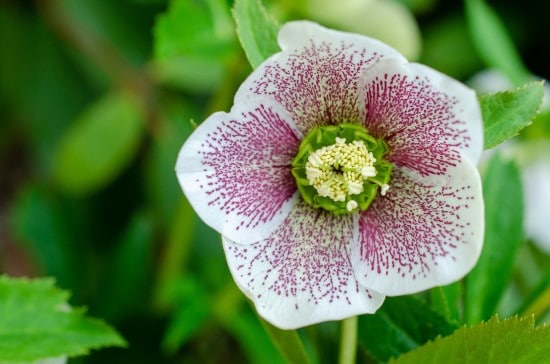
348, 341
540, 306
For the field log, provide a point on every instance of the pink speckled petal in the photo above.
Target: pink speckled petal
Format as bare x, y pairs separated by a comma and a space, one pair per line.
316, 75
302, 274
428, 119
235, 170
426, 231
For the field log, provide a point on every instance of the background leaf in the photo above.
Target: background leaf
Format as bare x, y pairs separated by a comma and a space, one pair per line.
487, 282
506, 113
193, 42
37, 323
256, 29
41, 227
402, 324
514, 340
493, 42
99, 144
127, 279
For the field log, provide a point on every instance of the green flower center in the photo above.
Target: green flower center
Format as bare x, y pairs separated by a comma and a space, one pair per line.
340, 168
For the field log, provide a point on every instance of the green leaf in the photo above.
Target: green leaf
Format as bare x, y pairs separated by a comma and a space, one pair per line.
514, 341
254, 340
173, 128
447, 48
493, 42
193, 309
506, 113
402, 324
99, 144
175, 253
127, 278
193, 41
256, 29
37, 73
36, 322
487, 282
39, 225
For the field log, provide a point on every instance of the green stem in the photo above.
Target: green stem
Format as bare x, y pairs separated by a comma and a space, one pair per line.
540, 306
288, 343
348, 341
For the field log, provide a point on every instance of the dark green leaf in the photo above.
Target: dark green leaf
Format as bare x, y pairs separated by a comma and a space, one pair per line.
256, 29
175, 253
487, 282
511, 341
100, 21
127, 279
99, 144
173, 129
493, 42
39, 224
382, 338
402, 324
192, 310
36, 322
254, 340
447, 48
506, 113
40, 84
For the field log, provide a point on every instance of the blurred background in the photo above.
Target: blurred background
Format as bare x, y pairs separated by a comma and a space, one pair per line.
97, 97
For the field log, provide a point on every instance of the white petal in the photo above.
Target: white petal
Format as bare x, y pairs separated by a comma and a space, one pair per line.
235, 170
316, 75
302, 274
428, 119
426, 231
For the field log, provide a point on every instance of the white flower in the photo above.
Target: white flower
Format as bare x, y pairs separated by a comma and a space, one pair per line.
308, 236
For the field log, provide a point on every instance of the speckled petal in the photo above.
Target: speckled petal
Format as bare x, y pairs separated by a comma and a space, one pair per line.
235, 170
316, 75
302, 274
428, 120
426, 231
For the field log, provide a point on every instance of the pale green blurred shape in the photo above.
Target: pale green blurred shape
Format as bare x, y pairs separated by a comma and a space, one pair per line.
386, 20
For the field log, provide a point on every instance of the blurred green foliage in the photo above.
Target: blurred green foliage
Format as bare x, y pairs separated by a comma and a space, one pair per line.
97, 97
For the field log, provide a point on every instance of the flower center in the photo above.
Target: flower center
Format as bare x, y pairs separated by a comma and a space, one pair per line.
340, 168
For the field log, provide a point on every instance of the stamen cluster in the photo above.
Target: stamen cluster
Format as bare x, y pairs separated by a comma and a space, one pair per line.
339, 170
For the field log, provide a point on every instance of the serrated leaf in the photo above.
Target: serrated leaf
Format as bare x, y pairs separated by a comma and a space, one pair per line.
36, 322
514, 340
402, 324
99, 144
256, 29
503, 195
506, 113
493, 42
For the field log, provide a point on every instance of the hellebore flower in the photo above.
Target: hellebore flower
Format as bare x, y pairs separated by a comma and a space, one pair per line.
342, 174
